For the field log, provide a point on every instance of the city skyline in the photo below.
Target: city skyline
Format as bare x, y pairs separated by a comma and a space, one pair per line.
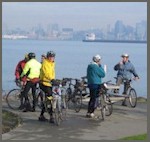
76, 15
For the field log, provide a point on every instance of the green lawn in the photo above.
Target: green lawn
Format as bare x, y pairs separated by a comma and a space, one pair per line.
137, 137
9, 121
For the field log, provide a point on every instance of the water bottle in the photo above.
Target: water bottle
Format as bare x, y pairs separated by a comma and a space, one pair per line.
105, 68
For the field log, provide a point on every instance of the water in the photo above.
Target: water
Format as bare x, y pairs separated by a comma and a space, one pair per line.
72, 58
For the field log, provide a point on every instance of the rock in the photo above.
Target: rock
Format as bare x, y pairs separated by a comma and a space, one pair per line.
141, 99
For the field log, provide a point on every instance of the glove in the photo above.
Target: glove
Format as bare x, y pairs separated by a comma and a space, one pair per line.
17, 81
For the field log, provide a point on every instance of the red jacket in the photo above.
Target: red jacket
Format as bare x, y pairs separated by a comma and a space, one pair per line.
19, 69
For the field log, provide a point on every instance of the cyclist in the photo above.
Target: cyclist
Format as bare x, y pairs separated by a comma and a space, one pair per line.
125, 70
21, 81
95, 73
19, 69
32, 67
43, 56
46, 76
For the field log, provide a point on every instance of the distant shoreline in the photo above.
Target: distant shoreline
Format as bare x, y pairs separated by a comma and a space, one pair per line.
116, 41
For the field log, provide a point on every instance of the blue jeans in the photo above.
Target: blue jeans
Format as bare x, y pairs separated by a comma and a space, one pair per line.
94, 94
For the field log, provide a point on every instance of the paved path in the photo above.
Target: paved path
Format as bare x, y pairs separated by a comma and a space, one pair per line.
124, 121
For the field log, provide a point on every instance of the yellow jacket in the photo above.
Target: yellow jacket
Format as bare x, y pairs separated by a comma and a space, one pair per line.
47, 72
33, 67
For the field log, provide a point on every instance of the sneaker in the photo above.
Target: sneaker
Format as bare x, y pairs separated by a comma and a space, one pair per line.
92, 115
88, 115
42, 118
25, 110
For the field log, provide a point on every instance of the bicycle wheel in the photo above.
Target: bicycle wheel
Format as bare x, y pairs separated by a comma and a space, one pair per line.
57, 116
78, 101
13, 99
103, 112
68, 97
39, 99
64, 107
103, 108
132, 97
64, 114
109, 106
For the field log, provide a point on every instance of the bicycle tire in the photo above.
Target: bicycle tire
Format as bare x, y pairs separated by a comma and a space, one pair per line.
39, 100
68, 97
103, 110
78, 101
13, 99
64, 114
109, 106
63, 107
132, 97
57, 116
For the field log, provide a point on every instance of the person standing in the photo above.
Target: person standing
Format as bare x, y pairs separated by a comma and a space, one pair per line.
32, 67
46, 76
43, 56
18, 71
95, 73
20, 82
125, 71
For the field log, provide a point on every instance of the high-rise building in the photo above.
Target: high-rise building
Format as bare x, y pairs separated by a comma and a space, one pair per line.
119, 29
141, 30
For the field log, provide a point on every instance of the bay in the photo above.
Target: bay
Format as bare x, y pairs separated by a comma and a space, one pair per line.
72, 58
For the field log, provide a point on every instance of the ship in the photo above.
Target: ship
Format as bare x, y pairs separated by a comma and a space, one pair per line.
92, 38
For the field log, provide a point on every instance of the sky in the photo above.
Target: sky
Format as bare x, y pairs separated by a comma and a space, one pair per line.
76, 15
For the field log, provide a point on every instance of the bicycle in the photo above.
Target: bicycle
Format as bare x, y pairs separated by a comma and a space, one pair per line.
104, 102
13, 98
74, 93
130, 93
56, 102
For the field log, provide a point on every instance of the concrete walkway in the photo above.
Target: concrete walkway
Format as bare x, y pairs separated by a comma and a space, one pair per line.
125, 121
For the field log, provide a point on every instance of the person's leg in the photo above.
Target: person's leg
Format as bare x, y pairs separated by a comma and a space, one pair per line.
125, 93
41, 117
25, 95
118, 83
91, 105
21, 101
34, 97
49, 93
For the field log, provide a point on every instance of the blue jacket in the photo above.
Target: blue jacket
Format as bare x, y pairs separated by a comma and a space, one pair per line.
125, 70
95, 73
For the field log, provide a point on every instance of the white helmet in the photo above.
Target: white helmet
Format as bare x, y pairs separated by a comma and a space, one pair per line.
96, 58
125, 55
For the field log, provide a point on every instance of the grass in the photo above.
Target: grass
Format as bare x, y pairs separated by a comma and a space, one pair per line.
136, 137
9, 121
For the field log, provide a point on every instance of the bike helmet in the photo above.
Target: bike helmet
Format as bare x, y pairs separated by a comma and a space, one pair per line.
43, 55
31, 55
125, 55
50, 54
96, 58
26, 57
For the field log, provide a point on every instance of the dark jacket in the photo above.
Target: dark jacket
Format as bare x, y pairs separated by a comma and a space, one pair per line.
125, 70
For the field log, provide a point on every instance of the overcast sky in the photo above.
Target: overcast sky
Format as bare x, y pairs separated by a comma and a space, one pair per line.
77, 15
